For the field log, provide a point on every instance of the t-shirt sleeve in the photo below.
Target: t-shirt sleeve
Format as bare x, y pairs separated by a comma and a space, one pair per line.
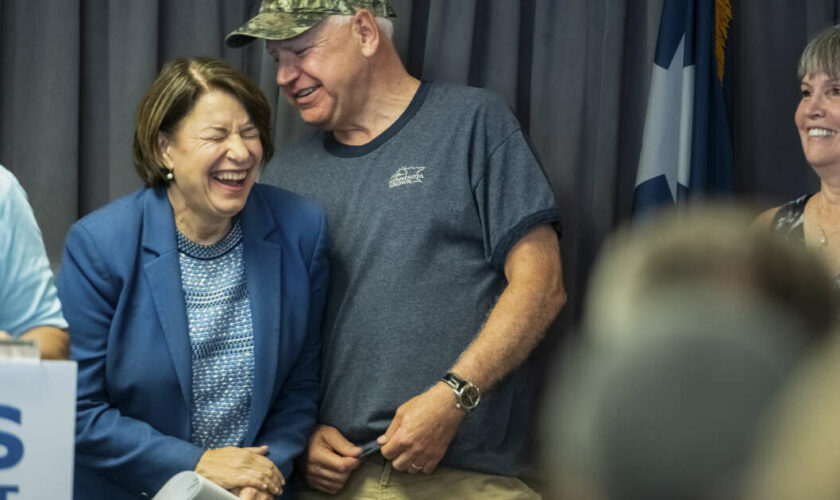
27, 293
512, 195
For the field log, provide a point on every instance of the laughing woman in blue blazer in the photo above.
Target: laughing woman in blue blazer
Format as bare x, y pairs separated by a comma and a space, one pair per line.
194, 304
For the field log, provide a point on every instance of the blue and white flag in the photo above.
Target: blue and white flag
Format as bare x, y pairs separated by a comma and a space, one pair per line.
686, 150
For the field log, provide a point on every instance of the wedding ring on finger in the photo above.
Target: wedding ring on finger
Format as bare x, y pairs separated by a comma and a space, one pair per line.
414, 469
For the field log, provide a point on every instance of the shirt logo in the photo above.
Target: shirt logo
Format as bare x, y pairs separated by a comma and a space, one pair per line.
406, 175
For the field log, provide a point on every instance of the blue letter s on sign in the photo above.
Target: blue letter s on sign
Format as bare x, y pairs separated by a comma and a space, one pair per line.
13, 445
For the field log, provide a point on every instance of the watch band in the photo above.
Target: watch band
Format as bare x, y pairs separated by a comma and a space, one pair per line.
454, 381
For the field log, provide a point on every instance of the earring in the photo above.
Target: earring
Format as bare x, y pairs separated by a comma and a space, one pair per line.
170, 175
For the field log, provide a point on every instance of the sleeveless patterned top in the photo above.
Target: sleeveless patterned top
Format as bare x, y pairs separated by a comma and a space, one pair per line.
789, 220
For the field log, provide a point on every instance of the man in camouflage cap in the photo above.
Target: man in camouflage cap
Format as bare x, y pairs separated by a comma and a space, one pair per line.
281, 19
445, 263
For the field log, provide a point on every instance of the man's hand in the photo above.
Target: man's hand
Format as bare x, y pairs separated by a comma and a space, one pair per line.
422, 429
248, 493
329, 459
233, 467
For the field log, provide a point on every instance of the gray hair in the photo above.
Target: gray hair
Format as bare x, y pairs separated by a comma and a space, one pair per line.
822, 55
385, 24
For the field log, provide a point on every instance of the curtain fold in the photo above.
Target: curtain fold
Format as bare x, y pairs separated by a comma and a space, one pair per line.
39, 121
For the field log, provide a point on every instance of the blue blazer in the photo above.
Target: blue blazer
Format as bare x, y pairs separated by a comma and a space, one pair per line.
120, 287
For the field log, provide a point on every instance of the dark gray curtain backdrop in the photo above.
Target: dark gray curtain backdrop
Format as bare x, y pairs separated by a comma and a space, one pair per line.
576, 71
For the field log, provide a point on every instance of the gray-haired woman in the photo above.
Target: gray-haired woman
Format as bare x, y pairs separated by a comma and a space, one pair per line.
814, 219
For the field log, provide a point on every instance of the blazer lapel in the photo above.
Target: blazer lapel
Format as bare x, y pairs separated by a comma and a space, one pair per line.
163, 272
262, 274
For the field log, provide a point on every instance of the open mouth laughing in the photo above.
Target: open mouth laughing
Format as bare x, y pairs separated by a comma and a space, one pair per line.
304, 95
305, 92
231, 178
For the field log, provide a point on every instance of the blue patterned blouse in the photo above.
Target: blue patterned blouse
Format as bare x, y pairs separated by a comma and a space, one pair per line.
221, 337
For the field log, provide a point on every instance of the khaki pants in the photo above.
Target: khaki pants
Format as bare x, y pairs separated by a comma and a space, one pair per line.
375, 479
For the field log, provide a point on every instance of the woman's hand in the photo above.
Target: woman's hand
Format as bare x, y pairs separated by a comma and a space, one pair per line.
233, 467
249, 493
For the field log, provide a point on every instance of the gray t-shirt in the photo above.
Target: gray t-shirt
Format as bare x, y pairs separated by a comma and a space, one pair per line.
421, 220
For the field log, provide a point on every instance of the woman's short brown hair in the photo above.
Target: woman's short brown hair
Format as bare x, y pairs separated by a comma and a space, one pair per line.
171, 97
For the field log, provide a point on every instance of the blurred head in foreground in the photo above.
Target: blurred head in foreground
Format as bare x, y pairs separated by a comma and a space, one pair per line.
693, 325
668, 412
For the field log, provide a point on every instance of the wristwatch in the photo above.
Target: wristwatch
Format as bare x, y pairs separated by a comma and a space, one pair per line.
467, 395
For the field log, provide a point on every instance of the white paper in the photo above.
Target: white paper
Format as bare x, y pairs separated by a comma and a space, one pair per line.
190, 485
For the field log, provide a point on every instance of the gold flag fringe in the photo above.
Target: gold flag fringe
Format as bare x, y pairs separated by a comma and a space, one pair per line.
723, 16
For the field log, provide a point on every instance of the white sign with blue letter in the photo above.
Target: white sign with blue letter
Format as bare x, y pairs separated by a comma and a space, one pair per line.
37, 429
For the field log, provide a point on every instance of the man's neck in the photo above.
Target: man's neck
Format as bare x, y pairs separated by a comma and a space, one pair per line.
388, 99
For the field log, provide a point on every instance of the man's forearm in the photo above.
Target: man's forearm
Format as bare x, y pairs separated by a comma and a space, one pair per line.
54, 341
424, 426
526, 308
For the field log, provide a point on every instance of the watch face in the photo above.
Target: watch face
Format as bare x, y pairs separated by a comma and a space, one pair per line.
470, 397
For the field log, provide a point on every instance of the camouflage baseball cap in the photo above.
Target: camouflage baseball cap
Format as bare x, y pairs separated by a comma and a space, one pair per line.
281, 19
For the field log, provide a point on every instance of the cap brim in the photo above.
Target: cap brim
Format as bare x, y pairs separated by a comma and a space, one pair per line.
273, 26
